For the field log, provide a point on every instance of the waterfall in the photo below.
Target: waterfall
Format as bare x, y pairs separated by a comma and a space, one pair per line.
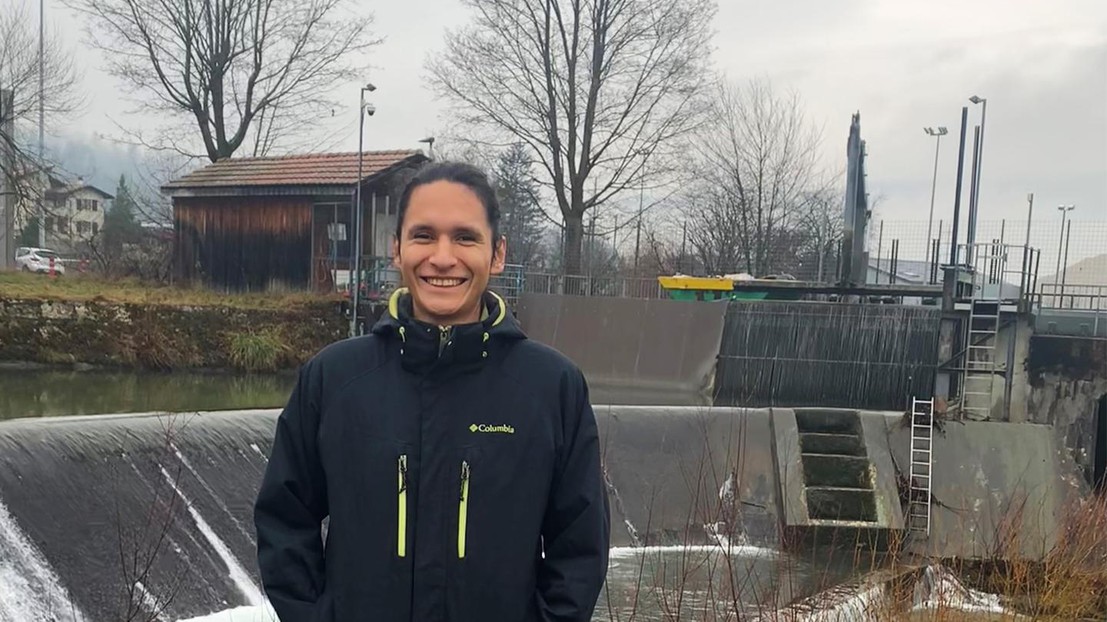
617, 504
29, 589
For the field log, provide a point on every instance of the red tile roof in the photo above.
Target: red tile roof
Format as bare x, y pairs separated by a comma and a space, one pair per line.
296, 170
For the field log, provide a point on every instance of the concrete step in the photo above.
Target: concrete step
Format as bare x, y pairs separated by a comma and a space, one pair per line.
837, 534
835, 444
841, 504
836, 471
828, 421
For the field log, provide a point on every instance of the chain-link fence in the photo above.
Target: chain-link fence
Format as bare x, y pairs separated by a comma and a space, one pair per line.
1070, 258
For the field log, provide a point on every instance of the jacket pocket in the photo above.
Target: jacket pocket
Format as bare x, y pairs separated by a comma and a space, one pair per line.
401, 506
463, 510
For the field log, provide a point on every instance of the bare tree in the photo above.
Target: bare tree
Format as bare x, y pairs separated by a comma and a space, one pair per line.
234, 71
20, 166
755, 171
598, 90
522, 220
820, 226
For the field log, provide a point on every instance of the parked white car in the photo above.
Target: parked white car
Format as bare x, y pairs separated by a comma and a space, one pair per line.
30, 259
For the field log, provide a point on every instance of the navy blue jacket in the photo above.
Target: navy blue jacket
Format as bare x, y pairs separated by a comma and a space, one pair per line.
460, 471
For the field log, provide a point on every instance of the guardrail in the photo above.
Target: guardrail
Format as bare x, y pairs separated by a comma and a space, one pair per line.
1072, 296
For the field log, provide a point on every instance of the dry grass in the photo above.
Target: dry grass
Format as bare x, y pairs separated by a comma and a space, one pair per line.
84, 287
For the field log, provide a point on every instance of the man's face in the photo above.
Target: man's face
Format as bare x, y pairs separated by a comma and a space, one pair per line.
446, 253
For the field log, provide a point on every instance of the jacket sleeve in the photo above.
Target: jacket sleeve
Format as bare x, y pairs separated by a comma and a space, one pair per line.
290, 508
576, 529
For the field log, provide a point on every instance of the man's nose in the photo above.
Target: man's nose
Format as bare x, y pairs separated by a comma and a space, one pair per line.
443, 257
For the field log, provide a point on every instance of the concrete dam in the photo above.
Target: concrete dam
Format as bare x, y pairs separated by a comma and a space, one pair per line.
772, 443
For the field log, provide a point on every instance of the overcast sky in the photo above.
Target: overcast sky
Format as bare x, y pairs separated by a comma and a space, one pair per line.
903, 64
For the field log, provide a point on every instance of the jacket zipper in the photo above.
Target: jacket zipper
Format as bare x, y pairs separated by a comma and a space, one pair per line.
443, 339
463, 510
401, 529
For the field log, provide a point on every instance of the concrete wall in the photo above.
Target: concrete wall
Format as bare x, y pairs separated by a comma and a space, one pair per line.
1067, 376
665, 345
991, 481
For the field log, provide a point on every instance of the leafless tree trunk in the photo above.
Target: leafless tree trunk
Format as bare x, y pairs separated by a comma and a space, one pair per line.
226, 68
821, 229
597, 90
20, 167
754, 172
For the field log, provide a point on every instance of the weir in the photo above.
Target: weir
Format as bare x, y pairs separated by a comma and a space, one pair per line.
105, 514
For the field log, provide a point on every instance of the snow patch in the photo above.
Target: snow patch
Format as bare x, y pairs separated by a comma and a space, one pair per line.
939, 589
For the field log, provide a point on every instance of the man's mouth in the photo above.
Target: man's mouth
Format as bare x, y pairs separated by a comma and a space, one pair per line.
444, 281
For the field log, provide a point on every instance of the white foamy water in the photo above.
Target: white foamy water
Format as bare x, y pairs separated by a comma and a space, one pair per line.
29, 589
259, 452
740, 550
253, 613
207, 488
238, 574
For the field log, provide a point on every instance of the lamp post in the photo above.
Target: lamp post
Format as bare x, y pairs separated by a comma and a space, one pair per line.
979, 158
429, 140
1064, 209
363, 110
937, 133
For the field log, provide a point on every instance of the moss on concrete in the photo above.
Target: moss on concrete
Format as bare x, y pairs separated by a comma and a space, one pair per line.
161, 336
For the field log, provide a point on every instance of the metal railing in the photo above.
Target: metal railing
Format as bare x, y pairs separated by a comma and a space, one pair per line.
999, 271
379, 278
585, 285
1072, 296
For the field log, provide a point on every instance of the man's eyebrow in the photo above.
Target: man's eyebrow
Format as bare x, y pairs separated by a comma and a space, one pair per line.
424, 227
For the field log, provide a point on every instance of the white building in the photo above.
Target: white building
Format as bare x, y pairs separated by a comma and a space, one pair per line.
74, 214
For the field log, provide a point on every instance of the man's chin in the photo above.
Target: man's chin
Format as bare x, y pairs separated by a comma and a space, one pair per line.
444, 309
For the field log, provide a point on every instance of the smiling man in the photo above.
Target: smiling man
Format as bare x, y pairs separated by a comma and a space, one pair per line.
458, 462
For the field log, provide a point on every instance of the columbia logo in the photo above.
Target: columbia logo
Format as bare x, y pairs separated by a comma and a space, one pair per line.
484, 428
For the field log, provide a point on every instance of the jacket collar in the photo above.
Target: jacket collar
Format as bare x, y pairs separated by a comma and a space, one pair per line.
424, 346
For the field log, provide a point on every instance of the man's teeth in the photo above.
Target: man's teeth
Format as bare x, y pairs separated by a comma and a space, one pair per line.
441, 282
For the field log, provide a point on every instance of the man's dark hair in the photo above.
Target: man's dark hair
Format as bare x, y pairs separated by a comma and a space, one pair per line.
459, 173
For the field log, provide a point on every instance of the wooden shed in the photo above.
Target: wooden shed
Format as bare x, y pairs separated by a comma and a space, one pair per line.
285, 223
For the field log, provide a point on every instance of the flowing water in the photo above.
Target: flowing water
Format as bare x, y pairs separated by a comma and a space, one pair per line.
50, 392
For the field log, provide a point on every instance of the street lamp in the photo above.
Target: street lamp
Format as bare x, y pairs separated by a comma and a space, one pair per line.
364, 109
429, 140
1064, 209
976, 99
937, 134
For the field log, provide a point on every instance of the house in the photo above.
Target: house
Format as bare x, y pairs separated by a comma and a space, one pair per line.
285, 223
73, 212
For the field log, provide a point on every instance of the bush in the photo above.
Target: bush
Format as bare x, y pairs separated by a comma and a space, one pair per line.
260, 350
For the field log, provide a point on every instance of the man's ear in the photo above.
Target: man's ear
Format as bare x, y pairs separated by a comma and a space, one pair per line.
499, 255
395, 251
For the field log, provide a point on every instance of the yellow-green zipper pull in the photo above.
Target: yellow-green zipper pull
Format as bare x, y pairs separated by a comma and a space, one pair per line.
401, 529
463, 510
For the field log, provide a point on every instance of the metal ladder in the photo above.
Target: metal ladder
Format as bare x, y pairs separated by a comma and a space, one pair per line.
918, 490
978, 380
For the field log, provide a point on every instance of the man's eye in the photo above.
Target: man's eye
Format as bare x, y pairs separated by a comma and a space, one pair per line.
466, 238
420, 235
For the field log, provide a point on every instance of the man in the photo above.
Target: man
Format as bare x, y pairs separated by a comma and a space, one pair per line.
457, 461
